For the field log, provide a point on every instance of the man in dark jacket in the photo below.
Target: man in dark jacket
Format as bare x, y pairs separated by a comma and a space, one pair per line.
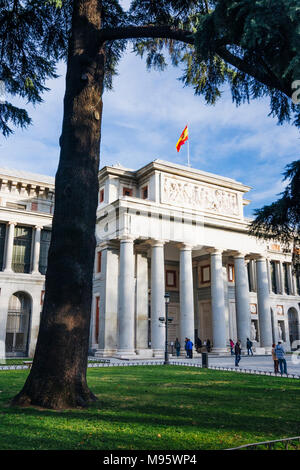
237, 352
189, 348
249, 347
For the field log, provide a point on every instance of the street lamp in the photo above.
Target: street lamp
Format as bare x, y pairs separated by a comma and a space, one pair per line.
166, 320
167, 300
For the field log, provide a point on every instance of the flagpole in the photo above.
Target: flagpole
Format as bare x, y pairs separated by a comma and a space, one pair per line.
188, 146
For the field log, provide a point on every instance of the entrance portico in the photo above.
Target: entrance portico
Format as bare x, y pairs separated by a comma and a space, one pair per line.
188, 237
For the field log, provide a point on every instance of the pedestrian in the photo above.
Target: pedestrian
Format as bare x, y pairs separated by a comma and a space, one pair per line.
249, 347
185, 347
208, 345
199, 345
189, 347
177, 347
280, 354
237, 352
231, 346
275, 359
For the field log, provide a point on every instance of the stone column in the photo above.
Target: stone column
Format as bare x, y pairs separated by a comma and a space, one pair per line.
126, 299
9, 247
290, 279
242, 299
142, 304
263, 305
157, 298
218, 303
281, 271
187, 322
36, 250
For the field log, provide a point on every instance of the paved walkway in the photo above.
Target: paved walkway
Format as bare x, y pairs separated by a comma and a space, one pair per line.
254, 363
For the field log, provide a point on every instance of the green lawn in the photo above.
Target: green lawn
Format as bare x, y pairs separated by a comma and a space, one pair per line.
157, 408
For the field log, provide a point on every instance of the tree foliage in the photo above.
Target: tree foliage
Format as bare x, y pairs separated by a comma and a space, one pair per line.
261, 40
281, 220
253, 45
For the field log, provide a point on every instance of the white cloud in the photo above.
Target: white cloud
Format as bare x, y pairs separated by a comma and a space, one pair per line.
142, 120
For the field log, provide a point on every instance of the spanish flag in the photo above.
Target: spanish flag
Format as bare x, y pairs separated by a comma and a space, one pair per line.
183, 138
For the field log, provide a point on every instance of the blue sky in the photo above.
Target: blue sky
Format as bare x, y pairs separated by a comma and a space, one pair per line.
143, 118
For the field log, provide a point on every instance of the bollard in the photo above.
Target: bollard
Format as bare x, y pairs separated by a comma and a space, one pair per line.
204, 359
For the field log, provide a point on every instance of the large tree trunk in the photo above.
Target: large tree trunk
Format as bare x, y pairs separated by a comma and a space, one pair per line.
58, 375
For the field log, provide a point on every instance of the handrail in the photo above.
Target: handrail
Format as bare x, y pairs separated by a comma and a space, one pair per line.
269, 444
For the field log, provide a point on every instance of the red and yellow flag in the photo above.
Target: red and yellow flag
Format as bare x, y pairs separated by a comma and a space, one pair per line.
183, 138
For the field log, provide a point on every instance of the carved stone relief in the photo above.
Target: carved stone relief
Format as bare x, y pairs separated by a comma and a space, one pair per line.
193, 195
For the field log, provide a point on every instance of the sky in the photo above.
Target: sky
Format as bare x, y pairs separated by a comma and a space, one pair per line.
143, 118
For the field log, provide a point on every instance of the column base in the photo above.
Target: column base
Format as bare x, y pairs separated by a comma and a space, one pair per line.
105, 352
158, 353
8, 271
125, 354
219, 351
147, 353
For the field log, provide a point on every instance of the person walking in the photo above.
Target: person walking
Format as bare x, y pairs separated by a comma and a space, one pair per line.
237, 352
189, 347
249, 347
185, 347
208, 345
177, 347
199, 345
231, 346
275, 359
280, 354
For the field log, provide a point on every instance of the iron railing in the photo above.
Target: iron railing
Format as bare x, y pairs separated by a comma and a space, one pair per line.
290, 443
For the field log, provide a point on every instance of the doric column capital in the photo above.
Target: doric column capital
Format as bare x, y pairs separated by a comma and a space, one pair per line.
126, 239
239, 254
185, 247
157, 243
38, 227
215, 252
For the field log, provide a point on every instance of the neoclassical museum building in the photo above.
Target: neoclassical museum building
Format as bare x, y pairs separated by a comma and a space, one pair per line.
162, 229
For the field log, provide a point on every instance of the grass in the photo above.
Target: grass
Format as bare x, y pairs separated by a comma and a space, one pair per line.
157, 408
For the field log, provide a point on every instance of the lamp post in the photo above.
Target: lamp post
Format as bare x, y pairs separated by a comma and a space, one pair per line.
167, 300
166, 320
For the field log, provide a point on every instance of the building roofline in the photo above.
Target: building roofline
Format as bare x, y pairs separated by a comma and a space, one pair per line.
174, 169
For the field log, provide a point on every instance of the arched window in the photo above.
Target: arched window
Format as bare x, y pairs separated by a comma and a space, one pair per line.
17, 327
293, 327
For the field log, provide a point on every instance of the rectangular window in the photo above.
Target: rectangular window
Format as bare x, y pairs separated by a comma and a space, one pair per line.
230, 272
44, 249
98, 261
205, 274
42, 297
298, 284
171, 279
145, 192
22, 249
101, 196
286, 278
127, 191
2, 243
273, 277
15, 205
97, 318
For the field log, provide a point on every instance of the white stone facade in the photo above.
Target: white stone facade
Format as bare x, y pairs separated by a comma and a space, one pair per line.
26, 207
162, 228
170, 228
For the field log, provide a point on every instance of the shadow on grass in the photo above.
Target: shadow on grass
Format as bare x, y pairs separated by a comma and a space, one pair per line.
166, 409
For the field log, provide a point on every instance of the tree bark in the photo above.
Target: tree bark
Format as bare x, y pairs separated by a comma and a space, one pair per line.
58, 375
